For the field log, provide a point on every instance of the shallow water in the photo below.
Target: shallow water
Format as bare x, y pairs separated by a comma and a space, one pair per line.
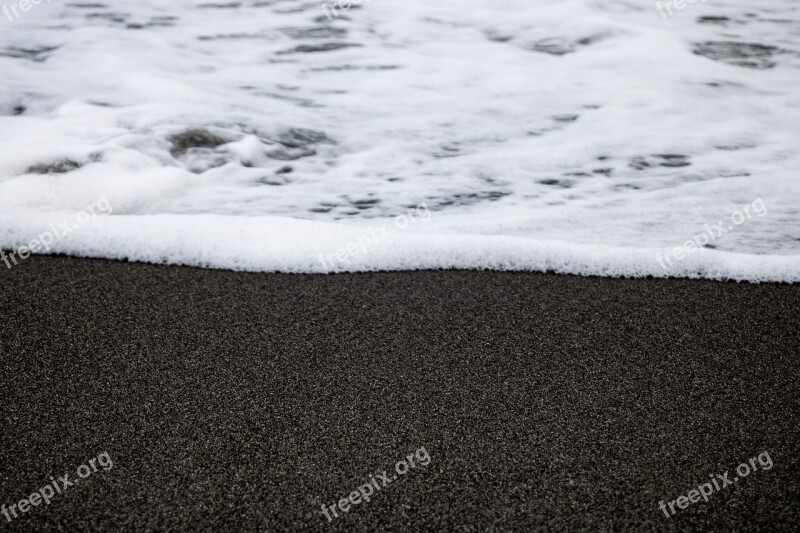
577, 136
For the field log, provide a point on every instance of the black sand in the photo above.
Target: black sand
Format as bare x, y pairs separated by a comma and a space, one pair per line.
233, 401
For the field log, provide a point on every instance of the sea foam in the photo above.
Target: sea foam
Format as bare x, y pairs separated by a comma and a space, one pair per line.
586, 137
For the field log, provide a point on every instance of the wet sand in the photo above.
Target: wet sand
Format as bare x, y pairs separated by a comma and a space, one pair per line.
246, 401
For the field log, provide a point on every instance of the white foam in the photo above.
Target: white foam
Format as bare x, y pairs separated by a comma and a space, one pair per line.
526, 160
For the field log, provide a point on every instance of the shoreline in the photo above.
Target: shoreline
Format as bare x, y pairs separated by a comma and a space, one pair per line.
249, 400
548, 272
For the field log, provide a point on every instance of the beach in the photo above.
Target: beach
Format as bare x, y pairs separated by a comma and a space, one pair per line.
399, 265
249, 401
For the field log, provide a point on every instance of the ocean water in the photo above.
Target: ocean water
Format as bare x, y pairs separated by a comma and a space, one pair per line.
598, 137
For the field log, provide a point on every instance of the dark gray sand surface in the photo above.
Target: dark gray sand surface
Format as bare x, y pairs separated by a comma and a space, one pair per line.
233, 401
